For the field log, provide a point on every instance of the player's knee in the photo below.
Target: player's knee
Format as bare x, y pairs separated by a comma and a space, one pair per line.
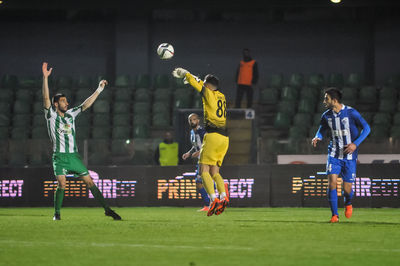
89, 181
62, 184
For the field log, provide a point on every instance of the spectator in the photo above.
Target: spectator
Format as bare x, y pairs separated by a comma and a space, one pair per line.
246, 77
167, 151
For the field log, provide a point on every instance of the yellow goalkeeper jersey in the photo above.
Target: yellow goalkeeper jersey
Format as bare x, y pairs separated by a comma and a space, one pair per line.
214, 105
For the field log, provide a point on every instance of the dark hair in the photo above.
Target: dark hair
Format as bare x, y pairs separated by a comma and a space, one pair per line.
334, 93
211, 79
57, 97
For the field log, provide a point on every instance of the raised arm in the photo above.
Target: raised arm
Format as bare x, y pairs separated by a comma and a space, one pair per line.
194, 81
92, 98
45, 86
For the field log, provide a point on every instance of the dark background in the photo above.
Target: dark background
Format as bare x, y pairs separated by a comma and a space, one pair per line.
120, 37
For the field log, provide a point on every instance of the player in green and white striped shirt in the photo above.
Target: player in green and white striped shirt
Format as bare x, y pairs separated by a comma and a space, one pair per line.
61, 128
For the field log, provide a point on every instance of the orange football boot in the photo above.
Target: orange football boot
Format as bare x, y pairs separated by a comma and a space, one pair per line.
223, 204
213, 207
204, 209
334, 219
227, 190
348, 211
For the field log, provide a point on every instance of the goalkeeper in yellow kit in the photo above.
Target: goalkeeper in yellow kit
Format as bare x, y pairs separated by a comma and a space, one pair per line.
216, 141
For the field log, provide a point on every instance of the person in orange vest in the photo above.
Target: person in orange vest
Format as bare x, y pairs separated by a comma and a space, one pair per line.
246, 77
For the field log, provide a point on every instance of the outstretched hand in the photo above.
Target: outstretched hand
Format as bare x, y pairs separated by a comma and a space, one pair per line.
315, 141
179, 73
102, 84
46, 72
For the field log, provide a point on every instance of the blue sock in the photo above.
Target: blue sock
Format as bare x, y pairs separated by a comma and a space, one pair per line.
332, 198
348, 197
204, 196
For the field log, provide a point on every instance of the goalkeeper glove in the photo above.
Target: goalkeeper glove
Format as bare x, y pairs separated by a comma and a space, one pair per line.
179, 72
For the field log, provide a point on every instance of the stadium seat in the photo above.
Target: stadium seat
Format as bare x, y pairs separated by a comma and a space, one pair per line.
162, 95
302, 120
142, 96
9, 81
354, 80
142, 81
83, 120
23, 95
6, 95
394, 81
182, 99
367, 94
64, 82
123, 81
140, 131
20, 120
19, 133
306, 106
82, 132
289, 93
297, 133
99, 152
122, 120
387, 105
388, 93
38, 108
121, 107
395, 132
101, 106
282, 120
121, 132
197, 102
268, 96
141, 119
106, 95
382, 119
161, 81
336, 80
379, 132
368, 116
101, 132
40, 132
5, 107
349, 93
178, 83
313, 131
141, 108
39, 120
4, 133
296, 80
84, 82
82, 94
309, 92
275, 81
161, 120
288, 107
317, 119
123, 94
321, 108
316, 81
4, 120
17, 153
396, 119
161, 108
29, 82
101, 120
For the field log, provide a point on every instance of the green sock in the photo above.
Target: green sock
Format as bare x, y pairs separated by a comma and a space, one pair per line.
58, 199
99, 197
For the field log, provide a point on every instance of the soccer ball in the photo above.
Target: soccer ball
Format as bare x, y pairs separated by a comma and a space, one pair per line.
165, 51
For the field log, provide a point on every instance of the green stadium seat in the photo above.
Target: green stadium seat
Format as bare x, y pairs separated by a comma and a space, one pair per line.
101, 132
306, 106
321, 108
383, 119
268, 96
140, 131
395, 132
106, 95
368, 116
302, 120
388, 93
309, 92
161, 120
101, 120
40, 132
387, 105
142, 96
101, 106
317, 119
354, 80
282, 120
142, 81
394, 81
288, 107
312, 131
5, 107
64, 82
82, 94
379, 132
4, 133
396, 119
275, 81
297, 133
6, 95
84, 82
162, 95
123, 81
178, 83
38, 108
82, 132
83, 120
9, 81
367, 94
197, 102
121, 132
161, 81
349, 93
296, 80
182, 99
19, 133
29, 82
336, 80
141, 108
4, 120
122, 120
289, 93
21, 120
141, 120
316, 81
39, 120
161, 108
23, 95
123, 94
99, 152
122, 107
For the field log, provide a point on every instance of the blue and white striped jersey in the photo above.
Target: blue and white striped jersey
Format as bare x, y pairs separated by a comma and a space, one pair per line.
344, 130
196, 138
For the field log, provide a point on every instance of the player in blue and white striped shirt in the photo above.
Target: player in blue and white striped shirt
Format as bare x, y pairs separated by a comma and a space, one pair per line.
344, 123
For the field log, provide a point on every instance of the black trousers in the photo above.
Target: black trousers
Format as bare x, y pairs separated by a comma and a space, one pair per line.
241, 90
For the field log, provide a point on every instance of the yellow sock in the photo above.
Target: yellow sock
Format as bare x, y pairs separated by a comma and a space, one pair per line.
208, 183
220, 183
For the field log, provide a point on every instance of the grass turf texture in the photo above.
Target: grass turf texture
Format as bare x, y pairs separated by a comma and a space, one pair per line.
182, 236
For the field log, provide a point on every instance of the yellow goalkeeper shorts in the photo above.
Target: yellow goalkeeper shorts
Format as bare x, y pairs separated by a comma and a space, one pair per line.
214, 149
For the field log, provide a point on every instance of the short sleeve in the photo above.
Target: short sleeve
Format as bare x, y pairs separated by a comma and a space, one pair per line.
74, 112
49, 113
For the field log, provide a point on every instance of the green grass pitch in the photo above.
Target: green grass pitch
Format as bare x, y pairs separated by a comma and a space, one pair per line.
182, 236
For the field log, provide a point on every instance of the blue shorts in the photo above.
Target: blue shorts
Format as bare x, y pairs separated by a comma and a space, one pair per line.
344, 168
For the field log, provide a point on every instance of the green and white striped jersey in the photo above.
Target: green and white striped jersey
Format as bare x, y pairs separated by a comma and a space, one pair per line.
62, 129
